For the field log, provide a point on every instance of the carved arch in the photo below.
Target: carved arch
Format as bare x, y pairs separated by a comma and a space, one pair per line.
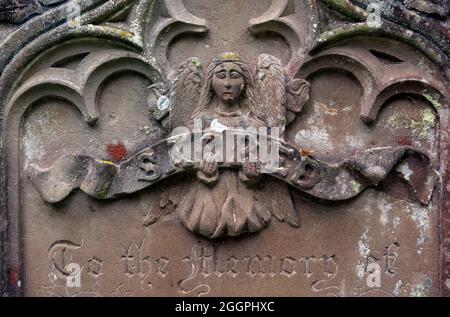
380, 82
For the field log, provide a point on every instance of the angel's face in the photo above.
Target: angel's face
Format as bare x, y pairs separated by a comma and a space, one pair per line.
228, 82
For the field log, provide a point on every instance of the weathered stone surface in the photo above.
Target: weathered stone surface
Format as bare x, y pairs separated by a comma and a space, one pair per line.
358, 91
18, 11
438, 7
50, 2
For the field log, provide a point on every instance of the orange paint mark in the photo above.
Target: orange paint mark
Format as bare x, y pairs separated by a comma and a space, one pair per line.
117, 152
306, 152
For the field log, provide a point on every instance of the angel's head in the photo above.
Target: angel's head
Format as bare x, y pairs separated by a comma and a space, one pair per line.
229, 82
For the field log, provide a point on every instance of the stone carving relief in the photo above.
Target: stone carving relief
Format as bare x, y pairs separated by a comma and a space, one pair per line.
229, 98
114, 144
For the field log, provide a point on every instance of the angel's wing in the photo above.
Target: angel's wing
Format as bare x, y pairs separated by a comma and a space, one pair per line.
270, 80
185, 92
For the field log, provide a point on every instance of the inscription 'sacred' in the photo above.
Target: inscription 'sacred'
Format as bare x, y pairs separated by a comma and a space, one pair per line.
117, 152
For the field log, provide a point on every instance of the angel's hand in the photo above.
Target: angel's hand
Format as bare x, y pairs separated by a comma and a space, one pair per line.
251, 172
209, 168
208, 171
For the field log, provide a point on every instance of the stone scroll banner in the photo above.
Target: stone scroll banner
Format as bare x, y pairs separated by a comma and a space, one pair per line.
102, 179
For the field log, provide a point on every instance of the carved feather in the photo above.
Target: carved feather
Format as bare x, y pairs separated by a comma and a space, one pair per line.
185, 92
271, 88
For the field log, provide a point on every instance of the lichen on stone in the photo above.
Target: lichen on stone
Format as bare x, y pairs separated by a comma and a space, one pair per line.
433, 100
394, 122
426, 123
356, 187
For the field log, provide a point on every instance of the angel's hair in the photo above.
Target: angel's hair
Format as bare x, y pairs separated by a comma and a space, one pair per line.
208, 96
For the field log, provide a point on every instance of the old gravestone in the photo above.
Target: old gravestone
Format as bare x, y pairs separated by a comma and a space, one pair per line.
94, 203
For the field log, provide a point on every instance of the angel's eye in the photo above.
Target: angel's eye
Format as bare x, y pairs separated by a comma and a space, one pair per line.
221, 75
235, 75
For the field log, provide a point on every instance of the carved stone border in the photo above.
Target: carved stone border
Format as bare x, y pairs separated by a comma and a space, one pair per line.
413, 25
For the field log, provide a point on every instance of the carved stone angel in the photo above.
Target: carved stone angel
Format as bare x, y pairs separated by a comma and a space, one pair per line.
230, 202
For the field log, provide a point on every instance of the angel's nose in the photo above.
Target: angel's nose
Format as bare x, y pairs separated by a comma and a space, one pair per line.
227, 84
